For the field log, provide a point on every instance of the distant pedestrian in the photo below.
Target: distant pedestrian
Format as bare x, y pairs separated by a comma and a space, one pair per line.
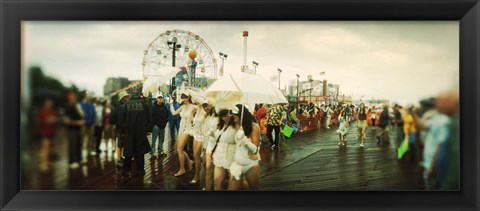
373, 116
343, 128
361, 123
398, 123
383, 122
48, 120
88, 128
328, 113
74, 119
261, 110
98, 129
109, 126
411, 132
263, 127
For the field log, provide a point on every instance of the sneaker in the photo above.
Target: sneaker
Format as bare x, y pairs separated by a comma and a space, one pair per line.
361, 145
162, 154
74, 165
273, 146
328, 127
93, 153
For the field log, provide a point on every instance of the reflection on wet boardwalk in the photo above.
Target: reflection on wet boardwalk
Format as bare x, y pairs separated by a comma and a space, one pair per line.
308, 161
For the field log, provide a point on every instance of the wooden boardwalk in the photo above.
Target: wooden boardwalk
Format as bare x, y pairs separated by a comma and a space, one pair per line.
308, 161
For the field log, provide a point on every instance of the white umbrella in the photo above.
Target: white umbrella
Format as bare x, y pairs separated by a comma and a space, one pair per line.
254, 89
158, 78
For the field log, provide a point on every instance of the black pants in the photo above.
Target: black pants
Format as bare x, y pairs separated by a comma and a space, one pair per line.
373, 122
270, 128
98, 137
74, 145
139, 159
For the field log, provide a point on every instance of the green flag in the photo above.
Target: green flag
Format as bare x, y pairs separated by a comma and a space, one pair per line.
403, 148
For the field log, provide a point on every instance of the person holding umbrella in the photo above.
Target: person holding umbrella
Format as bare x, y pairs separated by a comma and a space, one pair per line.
186, 111
247, 155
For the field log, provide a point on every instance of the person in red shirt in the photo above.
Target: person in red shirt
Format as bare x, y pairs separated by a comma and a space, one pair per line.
48, 118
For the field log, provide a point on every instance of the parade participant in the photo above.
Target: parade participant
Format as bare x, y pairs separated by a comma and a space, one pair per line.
273, 123
343, 128
88, 128
361, 123
74, 119
247, 152
48, 119
109, 126
123, 97
135, 120
383, 122
98, 129
211, 123
159, 122
186, 111
173, 120
198, 138
223, 151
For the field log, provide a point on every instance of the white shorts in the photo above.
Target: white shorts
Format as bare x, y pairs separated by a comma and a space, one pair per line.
224, 155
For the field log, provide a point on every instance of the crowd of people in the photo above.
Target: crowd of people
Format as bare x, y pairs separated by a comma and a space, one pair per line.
226, 137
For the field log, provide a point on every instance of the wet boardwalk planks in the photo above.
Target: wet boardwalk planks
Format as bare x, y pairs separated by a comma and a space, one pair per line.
308, 161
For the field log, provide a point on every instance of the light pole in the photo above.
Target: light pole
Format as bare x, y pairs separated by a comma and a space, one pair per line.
255, 64
223, 56
298, 98
279, 72
174, 47
245, 36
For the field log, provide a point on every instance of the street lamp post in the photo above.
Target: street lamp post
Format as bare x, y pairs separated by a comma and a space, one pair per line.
279, 72
298, 98
255, 64
174, 47
223, 56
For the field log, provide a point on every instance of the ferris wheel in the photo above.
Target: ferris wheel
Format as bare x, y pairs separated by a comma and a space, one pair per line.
186, 44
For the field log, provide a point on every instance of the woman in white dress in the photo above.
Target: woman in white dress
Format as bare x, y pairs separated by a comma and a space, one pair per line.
224, 147
247, 153
210, 126
186, 111
198, 139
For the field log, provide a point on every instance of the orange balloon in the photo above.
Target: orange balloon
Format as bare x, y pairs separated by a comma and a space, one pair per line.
192, 54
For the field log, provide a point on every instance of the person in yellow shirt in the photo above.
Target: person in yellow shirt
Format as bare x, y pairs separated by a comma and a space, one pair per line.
410, 130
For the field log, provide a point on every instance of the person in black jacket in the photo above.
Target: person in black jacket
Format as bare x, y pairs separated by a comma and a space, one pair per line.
159, 119
383, 122
135, 120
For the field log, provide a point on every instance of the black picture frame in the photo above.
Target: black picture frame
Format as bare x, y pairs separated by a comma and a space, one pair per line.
14, 11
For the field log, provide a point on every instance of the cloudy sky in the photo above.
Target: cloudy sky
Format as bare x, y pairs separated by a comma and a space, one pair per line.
401, 61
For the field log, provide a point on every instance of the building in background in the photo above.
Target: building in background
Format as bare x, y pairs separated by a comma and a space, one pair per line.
114, 84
